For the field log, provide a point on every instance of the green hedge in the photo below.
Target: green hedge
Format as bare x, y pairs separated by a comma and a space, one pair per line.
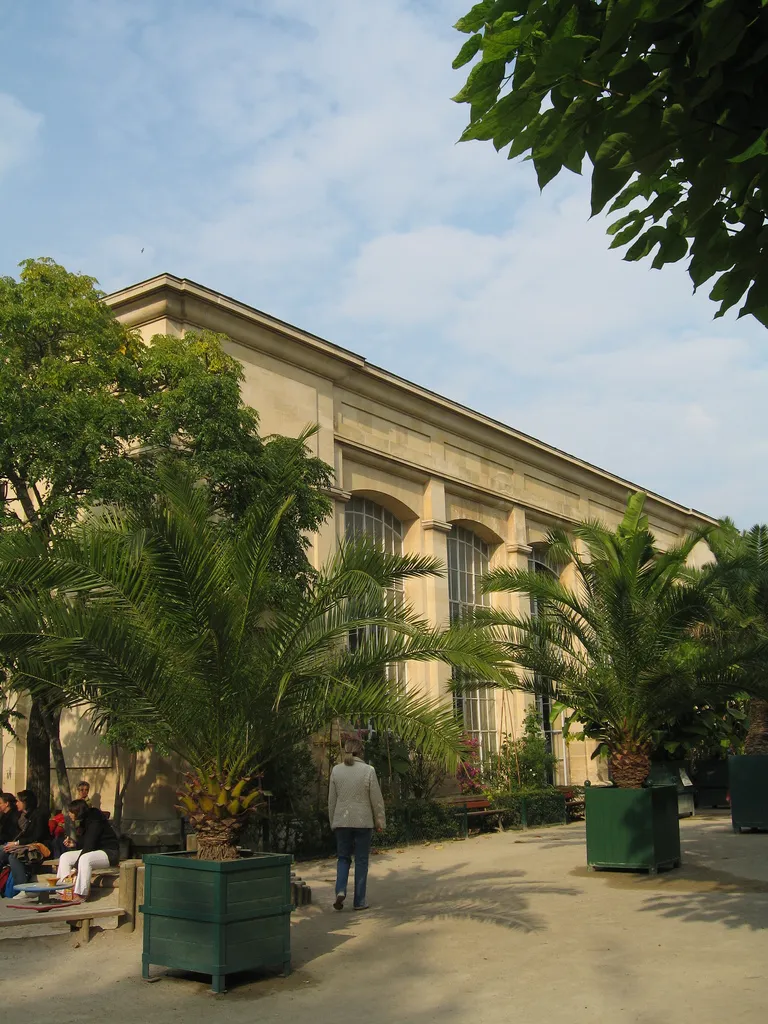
417, 821
541, 806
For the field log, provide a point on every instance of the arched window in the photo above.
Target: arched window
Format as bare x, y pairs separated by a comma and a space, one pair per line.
366, 518
468, 560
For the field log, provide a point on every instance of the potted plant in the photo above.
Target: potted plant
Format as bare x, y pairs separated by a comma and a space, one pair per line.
181, 620
610, 641
742, 573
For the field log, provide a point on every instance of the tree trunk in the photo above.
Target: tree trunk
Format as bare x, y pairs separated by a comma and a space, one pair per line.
38, 757
121, 786
757, 734
216, 840
629, 768
52, 722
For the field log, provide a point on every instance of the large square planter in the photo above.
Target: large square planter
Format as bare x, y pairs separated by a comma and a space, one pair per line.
749, 791
217, 917
635, 829
711, 781
670, 773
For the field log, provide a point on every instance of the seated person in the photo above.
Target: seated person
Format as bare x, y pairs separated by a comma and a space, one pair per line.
32, 831
57, 827
97, 846
83, 789
9, 818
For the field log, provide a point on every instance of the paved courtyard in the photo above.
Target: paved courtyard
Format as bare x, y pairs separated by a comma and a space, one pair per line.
508, 926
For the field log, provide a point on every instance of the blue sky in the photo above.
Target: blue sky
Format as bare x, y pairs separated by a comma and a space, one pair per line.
302, 158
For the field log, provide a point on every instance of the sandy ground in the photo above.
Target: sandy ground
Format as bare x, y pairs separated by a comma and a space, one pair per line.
505, 926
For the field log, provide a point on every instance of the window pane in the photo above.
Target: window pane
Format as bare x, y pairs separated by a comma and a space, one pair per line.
468, 560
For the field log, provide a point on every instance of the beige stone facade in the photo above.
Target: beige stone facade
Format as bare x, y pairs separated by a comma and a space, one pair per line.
436, 477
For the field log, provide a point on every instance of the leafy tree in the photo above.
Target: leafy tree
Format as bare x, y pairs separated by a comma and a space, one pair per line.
703, 734
88, 412
669, 101
169, 611
742, 573
615, 648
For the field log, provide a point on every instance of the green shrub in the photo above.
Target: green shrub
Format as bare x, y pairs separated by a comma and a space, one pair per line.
523, 763
542, 807
418, 821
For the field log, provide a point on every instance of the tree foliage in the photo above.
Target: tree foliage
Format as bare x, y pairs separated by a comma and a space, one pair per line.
741, 575
87, 412
669, 101
168, 614
617, 647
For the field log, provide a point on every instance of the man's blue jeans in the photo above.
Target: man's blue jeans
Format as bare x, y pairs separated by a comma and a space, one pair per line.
351, 841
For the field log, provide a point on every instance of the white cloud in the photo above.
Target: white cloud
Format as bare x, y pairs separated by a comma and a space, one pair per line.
19, 128
543, 327
303, 158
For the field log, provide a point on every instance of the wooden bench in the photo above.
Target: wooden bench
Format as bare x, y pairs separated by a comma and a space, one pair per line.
52, 865
476, 808
79, 915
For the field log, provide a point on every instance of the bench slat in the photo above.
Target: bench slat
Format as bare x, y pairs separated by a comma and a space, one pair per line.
78, 913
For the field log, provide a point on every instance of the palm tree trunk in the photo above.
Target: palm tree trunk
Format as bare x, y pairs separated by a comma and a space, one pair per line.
38, 757
216, 840
52, 723
757, 734
629, 768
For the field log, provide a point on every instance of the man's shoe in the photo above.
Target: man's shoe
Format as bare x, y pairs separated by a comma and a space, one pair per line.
339, 901
364, 907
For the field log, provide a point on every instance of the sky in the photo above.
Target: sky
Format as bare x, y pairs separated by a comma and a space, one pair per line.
303, 158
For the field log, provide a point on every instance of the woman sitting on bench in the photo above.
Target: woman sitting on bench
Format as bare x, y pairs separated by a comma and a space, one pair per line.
97, 847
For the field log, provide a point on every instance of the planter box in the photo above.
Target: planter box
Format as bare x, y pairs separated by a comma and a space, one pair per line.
217, 917
749, 791
671, 773
632, 828
711, 782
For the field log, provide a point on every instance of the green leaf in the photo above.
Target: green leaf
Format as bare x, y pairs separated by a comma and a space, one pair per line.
729, 288
722, 32
629, 232
622, 16
674, 247
645, 243
563, 57
476, 18
468, 51
606, 183
758, 148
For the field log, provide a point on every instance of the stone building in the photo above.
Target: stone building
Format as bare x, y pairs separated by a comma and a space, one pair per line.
415, 470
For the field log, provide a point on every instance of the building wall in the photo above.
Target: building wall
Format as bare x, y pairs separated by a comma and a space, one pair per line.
430, 462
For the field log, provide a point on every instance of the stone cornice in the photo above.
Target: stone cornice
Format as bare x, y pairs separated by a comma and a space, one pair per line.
336, 493
436, 524
519, 549
189, 303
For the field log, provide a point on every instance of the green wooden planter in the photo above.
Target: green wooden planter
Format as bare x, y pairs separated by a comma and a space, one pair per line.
711, 781
749, 791
667, 773
636, 829
217, 917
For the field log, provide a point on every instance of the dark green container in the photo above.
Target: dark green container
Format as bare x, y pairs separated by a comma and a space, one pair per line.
217, 917
749, 791
632, 828
711, 781
669, 773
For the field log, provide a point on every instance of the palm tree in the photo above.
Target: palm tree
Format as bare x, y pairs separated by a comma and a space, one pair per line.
615, 649
742, 574
177, 620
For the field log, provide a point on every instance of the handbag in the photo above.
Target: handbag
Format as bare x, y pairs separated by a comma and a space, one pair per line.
33, 855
